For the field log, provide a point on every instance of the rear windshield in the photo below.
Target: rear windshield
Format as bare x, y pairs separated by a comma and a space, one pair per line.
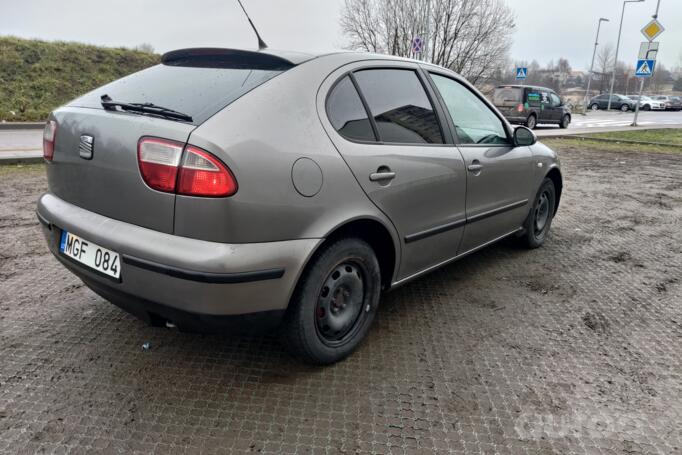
507, 96
195, 91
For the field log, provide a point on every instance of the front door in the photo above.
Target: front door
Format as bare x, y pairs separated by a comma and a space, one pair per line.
391, 138
499, 175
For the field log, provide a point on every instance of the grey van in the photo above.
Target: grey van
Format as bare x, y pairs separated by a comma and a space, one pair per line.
530, 105
224, 189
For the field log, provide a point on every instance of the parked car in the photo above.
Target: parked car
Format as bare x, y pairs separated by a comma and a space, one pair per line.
620, 102
529, 105
648, 104
672, 103
226, 188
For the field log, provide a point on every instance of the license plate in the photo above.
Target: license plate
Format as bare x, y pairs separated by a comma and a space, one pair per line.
90, 254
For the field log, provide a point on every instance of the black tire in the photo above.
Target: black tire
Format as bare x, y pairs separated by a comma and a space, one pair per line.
531, 121
646, 107
320, 330
540, 217
594, 106
624, 108
565, 121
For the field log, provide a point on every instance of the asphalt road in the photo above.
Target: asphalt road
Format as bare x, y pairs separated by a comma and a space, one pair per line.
573, 348
22, 142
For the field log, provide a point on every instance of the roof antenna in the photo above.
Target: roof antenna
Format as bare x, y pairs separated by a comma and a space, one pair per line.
261, 43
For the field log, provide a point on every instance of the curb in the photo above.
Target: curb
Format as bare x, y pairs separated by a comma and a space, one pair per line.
26, 157
22, 125
614, 141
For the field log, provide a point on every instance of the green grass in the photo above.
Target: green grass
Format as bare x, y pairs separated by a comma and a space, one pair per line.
11, 169
38, 76
576, 143
666, 136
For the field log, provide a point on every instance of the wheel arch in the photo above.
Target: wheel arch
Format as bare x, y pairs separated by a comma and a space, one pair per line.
376, 234
555, 176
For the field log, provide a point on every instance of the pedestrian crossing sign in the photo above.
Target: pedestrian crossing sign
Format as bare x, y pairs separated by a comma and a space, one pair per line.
521, 73
645, 68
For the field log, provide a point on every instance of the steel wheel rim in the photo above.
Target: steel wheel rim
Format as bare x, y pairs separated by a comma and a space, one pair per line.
542, 212
340, 303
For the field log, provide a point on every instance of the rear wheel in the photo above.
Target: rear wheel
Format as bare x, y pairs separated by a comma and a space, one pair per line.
532, 121
334, 303
594, 107
565, 121
539, 219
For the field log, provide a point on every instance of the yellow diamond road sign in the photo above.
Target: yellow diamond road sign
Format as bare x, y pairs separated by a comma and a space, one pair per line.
652, 30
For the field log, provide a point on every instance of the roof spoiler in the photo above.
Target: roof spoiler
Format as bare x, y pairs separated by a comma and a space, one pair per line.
209, 57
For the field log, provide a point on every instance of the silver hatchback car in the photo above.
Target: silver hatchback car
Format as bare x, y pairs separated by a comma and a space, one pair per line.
224, 189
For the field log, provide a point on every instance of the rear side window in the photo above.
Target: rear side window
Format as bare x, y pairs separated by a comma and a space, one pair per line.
196, 91
534, 98
400, 107
347, 114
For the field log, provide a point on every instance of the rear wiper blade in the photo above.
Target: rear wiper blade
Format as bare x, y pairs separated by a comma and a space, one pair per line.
145, 108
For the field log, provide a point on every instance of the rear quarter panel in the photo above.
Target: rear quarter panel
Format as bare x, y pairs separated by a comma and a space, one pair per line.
260, 137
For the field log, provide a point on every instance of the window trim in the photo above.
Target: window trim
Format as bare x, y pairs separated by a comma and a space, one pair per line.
448, 138
451, 123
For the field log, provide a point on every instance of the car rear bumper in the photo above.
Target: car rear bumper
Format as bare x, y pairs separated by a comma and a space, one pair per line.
182, 280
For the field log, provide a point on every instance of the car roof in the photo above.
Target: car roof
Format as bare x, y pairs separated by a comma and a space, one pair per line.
534, 87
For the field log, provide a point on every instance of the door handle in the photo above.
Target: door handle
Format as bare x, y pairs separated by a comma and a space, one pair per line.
382, 174
475, 167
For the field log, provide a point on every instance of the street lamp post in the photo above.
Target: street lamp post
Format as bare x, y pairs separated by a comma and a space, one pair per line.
594, 54
615, 62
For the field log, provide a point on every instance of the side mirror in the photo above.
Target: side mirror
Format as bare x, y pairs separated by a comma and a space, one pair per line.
524, 137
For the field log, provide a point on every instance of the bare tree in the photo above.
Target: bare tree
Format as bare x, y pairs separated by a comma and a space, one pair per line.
145, 47
604, 64
471, 37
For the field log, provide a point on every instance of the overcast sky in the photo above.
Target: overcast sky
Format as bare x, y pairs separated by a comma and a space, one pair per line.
546, 29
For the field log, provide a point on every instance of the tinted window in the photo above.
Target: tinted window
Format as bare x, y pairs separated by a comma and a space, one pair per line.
554, 98
198, 92
475, 122
401, 109
507, 96
534, 98
346, 112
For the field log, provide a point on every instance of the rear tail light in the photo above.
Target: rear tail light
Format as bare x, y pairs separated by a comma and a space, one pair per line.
158, 160
49, 136
200, 174
519, 108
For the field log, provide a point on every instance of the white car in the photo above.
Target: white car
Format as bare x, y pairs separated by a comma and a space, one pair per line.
649, 104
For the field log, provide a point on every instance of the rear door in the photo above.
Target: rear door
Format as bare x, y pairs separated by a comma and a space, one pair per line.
555, 108
499, 176
389, 133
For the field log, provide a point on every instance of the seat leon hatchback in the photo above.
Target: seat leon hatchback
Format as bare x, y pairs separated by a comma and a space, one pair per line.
225, 189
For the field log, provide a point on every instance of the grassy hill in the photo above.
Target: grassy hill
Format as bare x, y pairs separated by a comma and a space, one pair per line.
37, 76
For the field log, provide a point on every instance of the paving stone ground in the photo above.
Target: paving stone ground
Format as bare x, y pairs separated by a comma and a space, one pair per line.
572, 348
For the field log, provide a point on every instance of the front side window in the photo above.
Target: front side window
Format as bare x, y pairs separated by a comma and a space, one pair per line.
347, 114
554, 98
400, 107
475, 122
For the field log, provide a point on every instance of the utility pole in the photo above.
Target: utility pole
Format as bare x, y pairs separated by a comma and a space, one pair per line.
615, 62
425, 51
641, 85
594, 54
